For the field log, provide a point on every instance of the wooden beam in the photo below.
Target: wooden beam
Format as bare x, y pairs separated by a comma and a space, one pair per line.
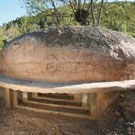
7, 97
72, 115
14, 98
93, 105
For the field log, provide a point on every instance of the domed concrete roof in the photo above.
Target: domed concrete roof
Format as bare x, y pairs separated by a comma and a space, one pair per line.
70, 54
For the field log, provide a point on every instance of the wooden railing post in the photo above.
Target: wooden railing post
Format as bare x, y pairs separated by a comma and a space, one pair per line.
93, 105
14, 98
7, 97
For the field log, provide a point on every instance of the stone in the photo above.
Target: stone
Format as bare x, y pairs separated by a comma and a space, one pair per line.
70, 54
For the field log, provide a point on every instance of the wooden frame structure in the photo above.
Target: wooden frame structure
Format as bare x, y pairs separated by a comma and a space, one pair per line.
91, 94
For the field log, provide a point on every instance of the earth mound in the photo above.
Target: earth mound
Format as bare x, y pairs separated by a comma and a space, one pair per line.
70, 54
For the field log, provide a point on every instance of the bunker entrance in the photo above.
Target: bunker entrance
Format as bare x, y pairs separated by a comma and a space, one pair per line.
86, 106
70, 105
88, 100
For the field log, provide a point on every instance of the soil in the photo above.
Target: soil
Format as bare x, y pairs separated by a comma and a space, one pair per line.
20, 122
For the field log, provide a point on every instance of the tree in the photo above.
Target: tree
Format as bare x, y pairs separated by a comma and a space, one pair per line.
81, 9
119, 16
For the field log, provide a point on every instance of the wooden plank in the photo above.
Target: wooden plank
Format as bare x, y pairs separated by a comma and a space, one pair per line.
56, 99
7, 97
58, 105
44, 87
55, 113
93, 105
14, 98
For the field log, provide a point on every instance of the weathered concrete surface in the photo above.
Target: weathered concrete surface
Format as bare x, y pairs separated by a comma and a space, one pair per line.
68, 88
70, 54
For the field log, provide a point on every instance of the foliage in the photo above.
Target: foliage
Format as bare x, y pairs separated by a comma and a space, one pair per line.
1, 38
120, 17
116, 16
80, 9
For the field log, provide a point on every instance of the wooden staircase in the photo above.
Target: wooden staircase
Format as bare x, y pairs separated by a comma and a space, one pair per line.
60, 104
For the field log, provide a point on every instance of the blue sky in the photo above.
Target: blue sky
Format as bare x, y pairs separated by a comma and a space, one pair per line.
10, 9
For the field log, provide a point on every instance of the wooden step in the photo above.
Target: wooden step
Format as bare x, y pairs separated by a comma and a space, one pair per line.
55, 101
59, 96
55, 112
54, 107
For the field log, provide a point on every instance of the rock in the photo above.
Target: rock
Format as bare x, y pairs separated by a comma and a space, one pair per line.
70, 54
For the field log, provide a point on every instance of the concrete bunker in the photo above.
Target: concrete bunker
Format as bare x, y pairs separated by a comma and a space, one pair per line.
77, 69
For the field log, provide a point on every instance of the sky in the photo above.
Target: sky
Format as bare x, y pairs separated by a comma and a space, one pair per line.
10, 10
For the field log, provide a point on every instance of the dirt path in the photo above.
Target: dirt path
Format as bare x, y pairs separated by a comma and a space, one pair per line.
19, 122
